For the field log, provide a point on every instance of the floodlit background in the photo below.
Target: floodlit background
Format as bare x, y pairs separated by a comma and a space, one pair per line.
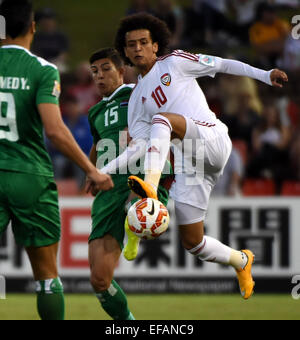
255, 205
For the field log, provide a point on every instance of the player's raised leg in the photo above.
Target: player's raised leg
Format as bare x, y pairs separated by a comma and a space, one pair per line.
104, 254
49, 288
211, 250
163, 126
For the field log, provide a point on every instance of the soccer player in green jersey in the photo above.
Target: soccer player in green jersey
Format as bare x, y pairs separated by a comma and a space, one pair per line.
108, 121
29, 98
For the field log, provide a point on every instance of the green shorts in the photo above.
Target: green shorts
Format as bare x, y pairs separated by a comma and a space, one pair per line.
30, 202
108, 211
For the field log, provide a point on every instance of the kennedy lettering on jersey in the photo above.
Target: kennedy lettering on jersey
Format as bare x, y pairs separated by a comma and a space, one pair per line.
14, 83
26, 81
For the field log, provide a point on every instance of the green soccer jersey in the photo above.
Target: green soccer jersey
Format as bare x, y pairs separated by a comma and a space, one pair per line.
108, 119
25, 82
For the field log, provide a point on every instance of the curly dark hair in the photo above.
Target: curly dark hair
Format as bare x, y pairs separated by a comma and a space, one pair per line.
158, 30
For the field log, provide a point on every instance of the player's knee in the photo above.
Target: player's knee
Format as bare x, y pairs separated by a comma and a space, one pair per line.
100, 282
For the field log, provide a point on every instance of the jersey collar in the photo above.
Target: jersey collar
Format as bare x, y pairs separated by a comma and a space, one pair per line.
15, 46
114, 93
140, 77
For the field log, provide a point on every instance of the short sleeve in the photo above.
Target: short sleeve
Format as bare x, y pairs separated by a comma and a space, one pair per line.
49, 86
196, 65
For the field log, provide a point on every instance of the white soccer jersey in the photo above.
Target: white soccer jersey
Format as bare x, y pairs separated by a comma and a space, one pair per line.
171, 86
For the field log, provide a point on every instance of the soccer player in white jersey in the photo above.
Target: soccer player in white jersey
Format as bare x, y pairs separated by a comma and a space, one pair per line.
168, 102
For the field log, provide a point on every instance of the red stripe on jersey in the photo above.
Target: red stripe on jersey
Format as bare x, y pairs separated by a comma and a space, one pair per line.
191, 55
185, 55
179, 55
165, 56
204, 123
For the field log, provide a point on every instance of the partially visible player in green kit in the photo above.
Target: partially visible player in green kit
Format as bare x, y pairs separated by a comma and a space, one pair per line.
29, 104
108, 121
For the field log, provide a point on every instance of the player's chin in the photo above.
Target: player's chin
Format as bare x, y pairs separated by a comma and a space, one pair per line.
103, 89
139, 61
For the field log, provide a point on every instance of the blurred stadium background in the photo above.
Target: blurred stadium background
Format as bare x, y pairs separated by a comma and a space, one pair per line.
256, 204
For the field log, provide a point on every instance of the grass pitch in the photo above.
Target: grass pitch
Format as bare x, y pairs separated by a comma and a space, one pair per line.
164, 307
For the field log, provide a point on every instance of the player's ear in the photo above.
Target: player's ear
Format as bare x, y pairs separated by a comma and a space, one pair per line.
33, 27
122, 71
155, 47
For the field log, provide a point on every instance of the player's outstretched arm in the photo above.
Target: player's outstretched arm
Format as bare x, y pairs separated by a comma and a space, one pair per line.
93, 154
63, 140
273, 77
89, 183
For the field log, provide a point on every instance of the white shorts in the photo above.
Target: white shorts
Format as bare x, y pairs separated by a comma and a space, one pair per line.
187, 214
208, 146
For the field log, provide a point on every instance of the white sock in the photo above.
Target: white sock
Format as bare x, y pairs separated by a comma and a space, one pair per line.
212, 250
158, 149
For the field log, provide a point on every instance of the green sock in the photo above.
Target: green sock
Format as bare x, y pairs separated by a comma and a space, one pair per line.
50, 299
114, 302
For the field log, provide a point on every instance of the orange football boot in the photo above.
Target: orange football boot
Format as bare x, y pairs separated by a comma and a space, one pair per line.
141, 188
245, 276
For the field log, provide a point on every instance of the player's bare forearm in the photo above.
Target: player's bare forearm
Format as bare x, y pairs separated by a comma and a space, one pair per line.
63, 140
93, 159
93, 154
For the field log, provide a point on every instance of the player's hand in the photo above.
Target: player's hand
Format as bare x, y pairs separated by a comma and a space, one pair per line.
278, 77
97, 181
90, 188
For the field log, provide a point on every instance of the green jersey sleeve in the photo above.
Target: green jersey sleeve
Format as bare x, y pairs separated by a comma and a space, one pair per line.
49, 86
